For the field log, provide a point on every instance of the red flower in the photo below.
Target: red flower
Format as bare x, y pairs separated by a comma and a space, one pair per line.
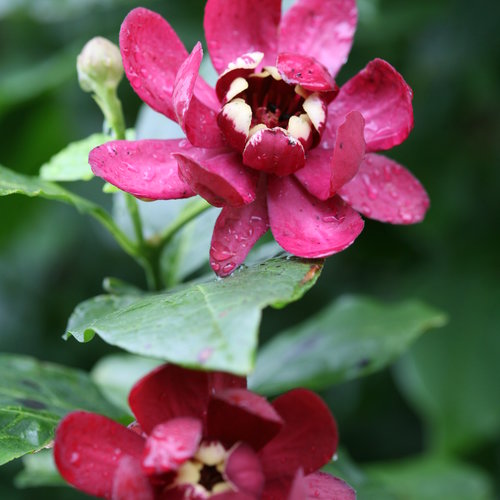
201, 435
276, 144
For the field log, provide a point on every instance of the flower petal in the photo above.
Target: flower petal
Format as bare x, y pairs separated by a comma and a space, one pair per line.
152, 53
236, 231
308, 439
130, 482
198, 121
145, 168
305, 71
308, 227
171, 392
384, 190
218, 176
241, 26
275, 151
325, 487
170, 444
240, 415
323, 29
243, 470
382, 96
88, 448
324, 173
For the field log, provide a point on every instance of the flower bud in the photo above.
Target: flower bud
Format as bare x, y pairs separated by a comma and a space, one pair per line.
99, 65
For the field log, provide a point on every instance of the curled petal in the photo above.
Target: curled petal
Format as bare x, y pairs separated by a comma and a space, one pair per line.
241, 26
218, 176
308, 227
275, 151
145, 168
88, 448
325, 171
172, 392
382, 96
325, 487
229, 84
152, 53
244, 472
239, 415
384, 190
305, 71
323, 29
234, 120
170, 444
198, 121
308, 439
130, 482
236, 231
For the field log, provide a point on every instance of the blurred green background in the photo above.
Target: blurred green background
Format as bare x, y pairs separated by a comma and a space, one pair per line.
443, 397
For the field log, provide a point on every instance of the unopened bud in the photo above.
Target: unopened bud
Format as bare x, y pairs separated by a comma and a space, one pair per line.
99, 65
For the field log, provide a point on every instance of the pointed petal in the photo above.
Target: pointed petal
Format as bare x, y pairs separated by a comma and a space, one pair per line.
384, 190
198, 121
239, 415
152, 53
88, 448
382, 96
130, 482
218, 176
323, 29
236, 231
305, 71
244, 471
241, 26
324, 173
145, 168
275, 151
170, 444
308, 227
308, 439
325, 487
171, 392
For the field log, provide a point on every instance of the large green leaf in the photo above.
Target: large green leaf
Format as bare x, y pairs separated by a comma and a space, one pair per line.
34, 396
211, 324
419, 478
354, 336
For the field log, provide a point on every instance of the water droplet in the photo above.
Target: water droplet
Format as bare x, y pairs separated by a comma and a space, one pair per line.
406, 217
215, 266
74, 458
111, 150
365, 209
229, 267
387, 173
330, 218
220, 252
148, 174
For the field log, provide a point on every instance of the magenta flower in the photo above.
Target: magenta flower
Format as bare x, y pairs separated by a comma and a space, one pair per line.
201, 435
276, 144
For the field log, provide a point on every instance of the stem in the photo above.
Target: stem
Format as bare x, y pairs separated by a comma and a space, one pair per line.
133, 210
191, 211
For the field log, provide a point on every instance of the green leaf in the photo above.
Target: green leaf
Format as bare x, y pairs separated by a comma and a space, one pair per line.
352, 337
71, 164
39, 469
419, 478
116, 374
211, 325
432, 479
34, 396
14, 183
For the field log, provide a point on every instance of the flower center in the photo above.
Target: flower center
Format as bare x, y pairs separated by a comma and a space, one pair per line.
205, 471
